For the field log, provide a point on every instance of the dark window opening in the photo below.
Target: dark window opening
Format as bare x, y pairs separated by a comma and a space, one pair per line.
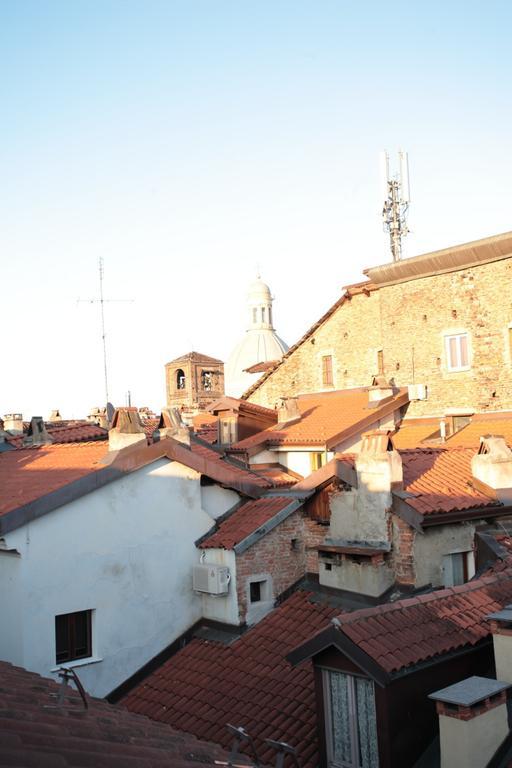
380, 362
327, 379
73, 636
180, 379
255, 591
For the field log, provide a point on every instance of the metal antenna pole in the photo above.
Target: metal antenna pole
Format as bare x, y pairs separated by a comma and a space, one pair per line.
102, 301
396, 203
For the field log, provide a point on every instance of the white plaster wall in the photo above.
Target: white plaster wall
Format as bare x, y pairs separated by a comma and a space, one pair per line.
222, 607
125, 551
267, 457
430, 547
363, 578
360, 515
503, 657
216, 500
472, 743
10, 614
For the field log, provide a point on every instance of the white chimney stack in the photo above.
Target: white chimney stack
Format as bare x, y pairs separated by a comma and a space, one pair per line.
492, 466
126, 430
13, 422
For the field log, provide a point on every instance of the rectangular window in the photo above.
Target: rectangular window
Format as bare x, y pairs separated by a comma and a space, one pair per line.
73, 636
255, 591
457, 352
316, 460
351, 725
327, 379
458, 568
380, 362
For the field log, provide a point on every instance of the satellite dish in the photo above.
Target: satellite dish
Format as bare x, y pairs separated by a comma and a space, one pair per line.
110, 412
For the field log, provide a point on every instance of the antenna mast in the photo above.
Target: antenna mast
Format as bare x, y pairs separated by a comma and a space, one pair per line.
396, 201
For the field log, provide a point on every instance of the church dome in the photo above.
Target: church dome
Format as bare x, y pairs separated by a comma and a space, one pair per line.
260, 344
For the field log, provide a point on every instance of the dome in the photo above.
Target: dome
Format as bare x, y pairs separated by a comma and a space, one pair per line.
260, 344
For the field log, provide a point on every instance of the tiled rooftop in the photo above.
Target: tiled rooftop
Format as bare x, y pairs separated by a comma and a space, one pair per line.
441, 478
248, 683
245, 520
28, 473
415, 432
67, 432
35, 733
279, 476
323, 417
398, 635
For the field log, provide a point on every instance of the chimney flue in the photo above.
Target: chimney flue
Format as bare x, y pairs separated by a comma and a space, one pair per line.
287, 411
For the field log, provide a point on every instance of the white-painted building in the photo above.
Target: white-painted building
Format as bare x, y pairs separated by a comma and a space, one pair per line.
96, 573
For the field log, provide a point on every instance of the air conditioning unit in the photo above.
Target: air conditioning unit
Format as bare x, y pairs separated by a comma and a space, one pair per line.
417, 391
211, 578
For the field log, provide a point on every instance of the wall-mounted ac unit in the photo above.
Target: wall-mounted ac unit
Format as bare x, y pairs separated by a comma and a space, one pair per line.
417, 391
211, 578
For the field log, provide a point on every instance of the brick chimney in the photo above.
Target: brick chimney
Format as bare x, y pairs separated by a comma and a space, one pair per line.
37, 434
172, 425
501, 628
13, 422
472, 721
126, 429
492, 466
287, 411
380, 389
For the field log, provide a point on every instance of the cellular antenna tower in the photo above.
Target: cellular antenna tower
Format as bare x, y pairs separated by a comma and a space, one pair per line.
395, 190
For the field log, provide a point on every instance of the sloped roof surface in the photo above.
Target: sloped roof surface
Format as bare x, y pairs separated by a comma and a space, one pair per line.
34, 733
441, 479
245, 520
323, 416
397, 635
412, 433
28, 473
249, 683
67, 432
195, 357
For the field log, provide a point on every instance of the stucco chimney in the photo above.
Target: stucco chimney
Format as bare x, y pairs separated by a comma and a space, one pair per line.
126, 429
492, 465
13, 422
378, 464
172, 425
501, 628
472, 721
380, 389
55, 415
287, 410
37, 434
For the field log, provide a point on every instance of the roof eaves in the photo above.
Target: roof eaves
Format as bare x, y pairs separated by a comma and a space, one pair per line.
334, 637
262, 531
391, 404
407, 513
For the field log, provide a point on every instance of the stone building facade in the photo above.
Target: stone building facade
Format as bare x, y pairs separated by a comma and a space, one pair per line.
194, 381
442, 320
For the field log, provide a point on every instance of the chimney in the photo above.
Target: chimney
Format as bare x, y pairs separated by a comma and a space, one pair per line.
501, 628
126, 429
172, 425
13, 422
380, 390
472, 721
55, 415
37, 434
287, 411
378, 464
492, 465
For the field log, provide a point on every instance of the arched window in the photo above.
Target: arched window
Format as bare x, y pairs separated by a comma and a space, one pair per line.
270, 315
255, 314
180, 379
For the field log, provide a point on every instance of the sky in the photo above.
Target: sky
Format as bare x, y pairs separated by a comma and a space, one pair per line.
190, 144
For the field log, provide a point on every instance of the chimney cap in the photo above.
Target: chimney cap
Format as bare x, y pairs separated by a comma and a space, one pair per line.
495, 447
470, 691
377, 441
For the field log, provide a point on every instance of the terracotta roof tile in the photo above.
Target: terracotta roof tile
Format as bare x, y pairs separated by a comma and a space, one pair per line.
36, 732
245, 520
67, 432
415, 432
398, 635
324, 416
261, 690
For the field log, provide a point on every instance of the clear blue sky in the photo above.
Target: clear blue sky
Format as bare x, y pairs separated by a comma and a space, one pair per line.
187, 142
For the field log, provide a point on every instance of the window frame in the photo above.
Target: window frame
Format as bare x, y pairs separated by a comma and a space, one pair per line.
327, 371
355, 760
72, 637
457, 335
468, 567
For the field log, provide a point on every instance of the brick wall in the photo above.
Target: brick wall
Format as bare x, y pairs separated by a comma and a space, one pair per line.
402, 556
408, 322
274, 555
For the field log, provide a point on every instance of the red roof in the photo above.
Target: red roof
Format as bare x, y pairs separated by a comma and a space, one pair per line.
280, 476
36, 732
326, 418
397, 635
29, 473
245, 520
415, 432
248, 683
440, 479
67, 432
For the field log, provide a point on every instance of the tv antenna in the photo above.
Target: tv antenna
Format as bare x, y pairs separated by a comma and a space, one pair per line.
395, 190
102, 301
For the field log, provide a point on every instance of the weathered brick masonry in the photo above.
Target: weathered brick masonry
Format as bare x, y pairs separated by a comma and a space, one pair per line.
409, 321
